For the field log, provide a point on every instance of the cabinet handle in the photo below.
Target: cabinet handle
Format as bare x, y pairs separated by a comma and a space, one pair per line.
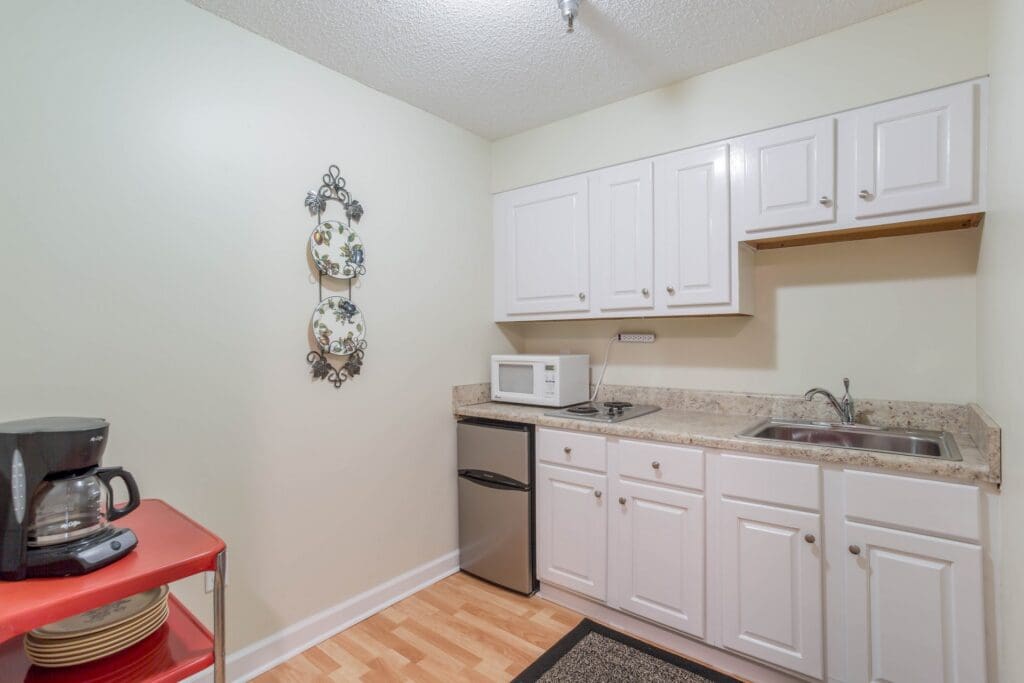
583, 297
567, 450
656, 465
824, 201
809, 538
864, 194
645, 291
622, 501
597, 494
855, 550
670, 289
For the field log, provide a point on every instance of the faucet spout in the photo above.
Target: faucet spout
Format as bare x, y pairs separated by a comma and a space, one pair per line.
844, 409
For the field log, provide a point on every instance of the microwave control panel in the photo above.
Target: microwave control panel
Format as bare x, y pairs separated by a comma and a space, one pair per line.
550, 380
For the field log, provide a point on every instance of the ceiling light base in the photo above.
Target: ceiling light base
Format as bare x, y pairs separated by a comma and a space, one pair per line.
569, 9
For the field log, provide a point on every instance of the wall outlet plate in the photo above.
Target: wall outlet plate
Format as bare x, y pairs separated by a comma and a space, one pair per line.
636, 337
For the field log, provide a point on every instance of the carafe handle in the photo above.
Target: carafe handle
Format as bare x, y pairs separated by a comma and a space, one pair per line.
108, 474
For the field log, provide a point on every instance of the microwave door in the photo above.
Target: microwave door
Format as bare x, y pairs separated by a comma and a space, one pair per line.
517, 379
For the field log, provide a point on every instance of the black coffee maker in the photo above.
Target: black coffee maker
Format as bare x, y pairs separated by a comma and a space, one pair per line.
56, 502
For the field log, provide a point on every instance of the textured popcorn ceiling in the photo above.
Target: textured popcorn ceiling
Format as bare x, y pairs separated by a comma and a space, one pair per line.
502, 66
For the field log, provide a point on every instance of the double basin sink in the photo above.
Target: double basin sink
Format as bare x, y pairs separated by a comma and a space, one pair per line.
916, 442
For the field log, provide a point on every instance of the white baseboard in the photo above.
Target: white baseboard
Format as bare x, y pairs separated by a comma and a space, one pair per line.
265, 654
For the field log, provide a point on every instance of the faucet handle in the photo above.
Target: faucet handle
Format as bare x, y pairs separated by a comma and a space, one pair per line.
846, 384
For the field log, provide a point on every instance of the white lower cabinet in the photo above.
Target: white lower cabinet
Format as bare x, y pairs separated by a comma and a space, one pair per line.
659, 556
771, 584
642, 529
572, 530
914, 607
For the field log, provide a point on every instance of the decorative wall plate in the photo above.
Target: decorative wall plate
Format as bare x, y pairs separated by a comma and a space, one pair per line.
338, 326
337, 250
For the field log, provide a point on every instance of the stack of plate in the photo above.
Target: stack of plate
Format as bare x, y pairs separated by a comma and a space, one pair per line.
99, 632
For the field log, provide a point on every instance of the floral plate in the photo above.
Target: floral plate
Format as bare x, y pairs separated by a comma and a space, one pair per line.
338, 326
337, 250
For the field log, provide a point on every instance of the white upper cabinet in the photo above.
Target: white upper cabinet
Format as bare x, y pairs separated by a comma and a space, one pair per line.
691, 228
916, 153
790, 176
542, 248
622, 237
914, 607
673, 235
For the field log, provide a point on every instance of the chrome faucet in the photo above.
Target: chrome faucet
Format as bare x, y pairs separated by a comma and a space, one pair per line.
844, 408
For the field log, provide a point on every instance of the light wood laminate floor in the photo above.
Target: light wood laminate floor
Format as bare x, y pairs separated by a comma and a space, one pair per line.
459, 629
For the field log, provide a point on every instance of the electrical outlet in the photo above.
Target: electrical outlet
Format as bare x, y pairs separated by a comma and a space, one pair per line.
208, 578
636, 337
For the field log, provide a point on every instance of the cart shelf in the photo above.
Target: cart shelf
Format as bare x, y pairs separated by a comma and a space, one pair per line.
171, 547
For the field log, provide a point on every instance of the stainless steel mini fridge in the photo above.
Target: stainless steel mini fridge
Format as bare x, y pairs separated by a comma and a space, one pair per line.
496, 525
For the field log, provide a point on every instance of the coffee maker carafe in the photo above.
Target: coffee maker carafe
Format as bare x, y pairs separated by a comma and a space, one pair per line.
56, 502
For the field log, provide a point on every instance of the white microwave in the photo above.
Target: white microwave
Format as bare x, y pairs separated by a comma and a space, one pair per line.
541, 380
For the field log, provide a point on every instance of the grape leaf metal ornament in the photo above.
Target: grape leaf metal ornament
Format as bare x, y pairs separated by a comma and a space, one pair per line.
338, 252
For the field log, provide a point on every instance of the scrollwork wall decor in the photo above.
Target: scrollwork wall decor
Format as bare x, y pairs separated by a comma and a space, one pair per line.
338, 325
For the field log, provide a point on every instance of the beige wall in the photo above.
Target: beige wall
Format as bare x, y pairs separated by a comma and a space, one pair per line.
153, 271
1000, 317
897, 315
925, 45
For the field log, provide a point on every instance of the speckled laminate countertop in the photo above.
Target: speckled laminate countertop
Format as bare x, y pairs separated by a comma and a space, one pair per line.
719, 431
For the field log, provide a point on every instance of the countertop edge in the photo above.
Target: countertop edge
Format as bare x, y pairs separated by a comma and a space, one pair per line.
961, 471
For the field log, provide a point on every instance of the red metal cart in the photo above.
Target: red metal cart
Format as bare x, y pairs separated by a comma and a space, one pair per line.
171, 547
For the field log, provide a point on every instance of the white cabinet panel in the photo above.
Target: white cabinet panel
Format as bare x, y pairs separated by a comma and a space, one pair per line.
691, 228
572, 530
659, 557
790, 176
771, 584
622, 236
542, 247
916, 153
914, 608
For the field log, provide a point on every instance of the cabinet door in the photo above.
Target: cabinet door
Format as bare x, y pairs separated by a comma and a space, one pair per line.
572, 530
691, 227
790, 176
916, 153
771, 584
659, 557
622, 236
914, 607
542, 247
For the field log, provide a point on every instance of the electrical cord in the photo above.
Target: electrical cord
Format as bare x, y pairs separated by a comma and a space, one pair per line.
604, 367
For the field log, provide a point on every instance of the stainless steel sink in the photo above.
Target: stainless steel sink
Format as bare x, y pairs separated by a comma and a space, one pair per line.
917, 442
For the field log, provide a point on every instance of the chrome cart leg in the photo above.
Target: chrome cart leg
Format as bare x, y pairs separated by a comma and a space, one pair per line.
218, 618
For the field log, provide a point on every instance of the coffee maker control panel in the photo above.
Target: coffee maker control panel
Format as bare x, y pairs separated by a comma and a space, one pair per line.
18, 485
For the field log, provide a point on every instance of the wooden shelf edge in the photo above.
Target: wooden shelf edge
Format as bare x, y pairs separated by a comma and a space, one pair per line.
959, 222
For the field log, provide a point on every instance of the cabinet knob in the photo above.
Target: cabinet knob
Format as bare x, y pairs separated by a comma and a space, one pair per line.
855, 550
567, 450
622, 501
809, 538
824, 201
645, 291
670, 289
864, 194
583, 297
656, 465
597, 494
